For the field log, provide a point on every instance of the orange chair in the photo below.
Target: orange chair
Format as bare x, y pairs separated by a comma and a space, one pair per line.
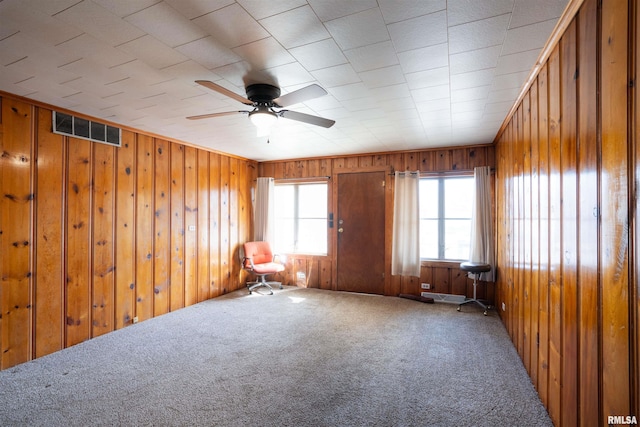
259, 260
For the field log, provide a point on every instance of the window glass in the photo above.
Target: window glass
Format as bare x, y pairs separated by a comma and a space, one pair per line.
457, 237
457, 200
428, 244
301, 218
445, 217
428, 198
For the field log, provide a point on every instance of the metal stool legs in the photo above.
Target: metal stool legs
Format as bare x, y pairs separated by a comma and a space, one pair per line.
474, 299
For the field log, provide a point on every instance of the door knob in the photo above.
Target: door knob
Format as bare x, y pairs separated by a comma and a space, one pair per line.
340, 230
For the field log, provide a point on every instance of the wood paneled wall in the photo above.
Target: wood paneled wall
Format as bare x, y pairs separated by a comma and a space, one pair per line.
93, 236
567, 215
318, 271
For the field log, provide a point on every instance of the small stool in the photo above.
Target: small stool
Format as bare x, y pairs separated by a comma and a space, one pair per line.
475, 267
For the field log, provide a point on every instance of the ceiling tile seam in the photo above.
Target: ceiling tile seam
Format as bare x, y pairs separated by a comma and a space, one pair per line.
173, 65
70, 62
82, 33
310, 43
9, 36
73, 94
413, 17
71, 80
67, 8
114, 94
208, 13
448, 65
480, 20
473, 71
344, 16
480, 48
124, 18
16, 61
138, 38
358, 47
266, 38
117, 81
24, 80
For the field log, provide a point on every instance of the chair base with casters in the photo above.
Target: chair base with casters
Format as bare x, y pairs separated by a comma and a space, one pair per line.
262, 282
475, 268
257, 258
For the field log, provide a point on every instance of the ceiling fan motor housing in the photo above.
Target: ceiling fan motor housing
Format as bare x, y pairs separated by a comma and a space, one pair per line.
262, 93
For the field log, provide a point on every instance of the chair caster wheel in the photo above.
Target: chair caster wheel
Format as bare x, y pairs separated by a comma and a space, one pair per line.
458, 308
485, 313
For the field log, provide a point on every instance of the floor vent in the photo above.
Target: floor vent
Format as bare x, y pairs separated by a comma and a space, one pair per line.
66, 124
453, 299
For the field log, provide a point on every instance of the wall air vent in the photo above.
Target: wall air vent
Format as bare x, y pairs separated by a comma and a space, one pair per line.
66, 124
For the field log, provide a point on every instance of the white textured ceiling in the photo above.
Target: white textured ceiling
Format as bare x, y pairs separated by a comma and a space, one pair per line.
401, 74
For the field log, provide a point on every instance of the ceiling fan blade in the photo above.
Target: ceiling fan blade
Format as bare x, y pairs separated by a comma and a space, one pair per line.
224, 91
300, 95
206, 116
306, 118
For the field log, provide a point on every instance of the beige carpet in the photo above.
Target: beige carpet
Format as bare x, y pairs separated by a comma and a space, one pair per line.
301, 357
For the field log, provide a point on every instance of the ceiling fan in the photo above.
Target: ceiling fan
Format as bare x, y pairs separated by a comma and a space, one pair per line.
265, 98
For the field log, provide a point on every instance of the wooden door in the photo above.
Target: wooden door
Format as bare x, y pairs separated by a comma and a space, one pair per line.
360, 228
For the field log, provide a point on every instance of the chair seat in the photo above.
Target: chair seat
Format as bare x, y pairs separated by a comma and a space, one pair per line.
475, 267
268, 268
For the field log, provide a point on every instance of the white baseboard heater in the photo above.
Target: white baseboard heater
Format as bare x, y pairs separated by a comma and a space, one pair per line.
450, 298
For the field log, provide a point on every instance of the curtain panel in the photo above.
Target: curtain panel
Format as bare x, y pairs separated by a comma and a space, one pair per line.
482, 244
405, 254
264, 210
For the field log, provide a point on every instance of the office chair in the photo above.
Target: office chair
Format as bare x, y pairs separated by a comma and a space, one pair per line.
475, 268
260, 260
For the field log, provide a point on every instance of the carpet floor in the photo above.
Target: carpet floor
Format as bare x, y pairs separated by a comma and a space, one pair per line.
300, 357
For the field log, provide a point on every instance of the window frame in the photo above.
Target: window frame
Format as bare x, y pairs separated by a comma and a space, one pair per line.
441, 178
297, 182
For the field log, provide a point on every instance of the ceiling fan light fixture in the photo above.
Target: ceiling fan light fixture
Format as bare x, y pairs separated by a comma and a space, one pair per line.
263, 119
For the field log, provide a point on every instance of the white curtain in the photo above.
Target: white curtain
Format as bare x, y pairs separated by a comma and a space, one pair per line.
264, 210
482, 245
405, 254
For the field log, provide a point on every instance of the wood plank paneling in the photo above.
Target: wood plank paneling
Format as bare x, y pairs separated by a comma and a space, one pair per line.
535, 235
103, 287
177, 253
544, 236
233, 227
93, 236
125, 187
635, 156
204, 286
50, 180
526, 231
461, 160
569, 215
15, 233
614, 218
161, 228
555, 243
144, 228
582, 236
223, 232
588, 225
78, 292
191, 226
245, 229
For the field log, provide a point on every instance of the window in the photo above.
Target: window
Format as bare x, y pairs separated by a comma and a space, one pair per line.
445, 217
301, 218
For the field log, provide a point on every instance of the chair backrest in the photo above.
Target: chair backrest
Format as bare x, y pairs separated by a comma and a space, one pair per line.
259, 252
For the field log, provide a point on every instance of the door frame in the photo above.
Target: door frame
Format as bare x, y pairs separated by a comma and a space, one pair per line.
388, 223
